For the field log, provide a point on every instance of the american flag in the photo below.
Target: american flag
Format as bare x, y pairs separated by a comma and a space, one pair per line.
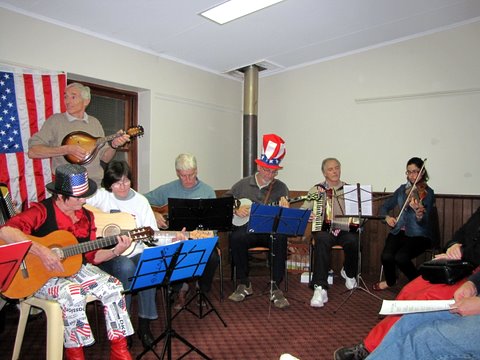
79, 183
27, 99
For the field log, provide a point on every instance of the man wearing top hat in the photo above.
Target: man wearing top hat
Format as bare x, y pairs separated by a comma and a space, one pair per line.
263, 188
64, 211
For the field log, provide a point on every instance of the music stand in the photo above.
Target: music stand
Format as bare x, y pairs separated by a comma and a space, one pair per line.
215, 214
162, 265
276, 220
362, 201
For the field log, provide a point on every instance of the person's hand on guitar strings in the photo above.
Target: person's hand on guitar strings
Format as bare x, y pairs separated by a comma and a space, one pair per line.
181, 235
284, 202
242, 211
50, 259
124, 242
120, 140
161, 222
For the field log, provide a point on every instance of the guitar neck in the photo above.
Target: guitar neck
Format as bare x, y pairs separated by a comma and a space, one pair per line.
106, 139
87, 246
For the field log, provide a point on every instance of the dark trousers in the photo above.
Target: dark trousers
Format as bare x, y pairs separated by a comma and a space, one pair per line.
241, 241
399, 251
322, 251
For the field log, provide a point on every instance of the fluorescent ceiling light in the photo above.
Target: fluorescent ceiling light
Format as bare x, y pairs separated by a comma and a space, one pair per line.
234, 9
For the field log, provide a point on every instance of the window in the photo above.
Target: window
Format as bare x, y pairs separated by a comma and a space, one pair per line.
116, 109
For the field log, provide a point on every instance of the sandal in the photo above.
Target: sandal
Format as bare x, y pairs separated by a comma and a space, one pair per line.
378, 287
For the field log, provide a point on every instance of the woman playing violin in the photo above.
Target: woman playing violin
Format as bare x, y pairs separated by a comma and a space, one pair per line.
410, 233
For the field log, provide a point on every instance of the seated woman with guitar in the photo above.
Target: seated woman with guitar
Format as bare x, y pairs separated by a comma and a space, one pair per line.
411, 234
117, 196
63, 275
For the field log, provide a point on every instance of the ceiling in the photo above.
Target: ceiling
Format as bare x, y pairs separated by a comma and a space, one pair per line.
288, 35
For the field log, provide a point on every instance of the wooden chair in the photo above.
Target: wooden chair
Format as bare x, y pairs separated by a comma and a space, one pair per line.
312, 257
55, 326
251, 253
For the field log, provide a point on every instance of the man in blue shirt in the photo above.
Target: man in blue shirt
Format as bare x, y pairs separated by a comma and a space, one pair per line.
187, 186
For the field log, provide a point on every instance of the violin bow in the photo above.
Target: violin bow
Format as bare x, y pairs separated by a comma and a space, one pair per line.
414, 185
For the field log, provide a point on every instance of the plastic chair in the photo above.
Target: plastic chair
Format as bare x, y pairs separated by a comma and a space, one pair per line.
55, 327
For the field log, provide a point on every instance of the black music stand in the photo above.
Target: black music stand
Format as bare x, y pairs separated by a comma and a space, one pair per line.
213, 214
203, 214
361, 196
162, 265
276, 220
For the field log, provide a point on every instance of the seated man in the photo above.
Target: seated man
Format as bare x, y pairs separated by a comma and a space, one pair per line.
263, 188
329, 230
465, 246
187, 186
440, 334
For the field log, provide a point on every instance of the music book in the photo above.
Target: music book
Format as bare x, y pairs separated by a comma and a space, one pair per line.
395, 307
11, 256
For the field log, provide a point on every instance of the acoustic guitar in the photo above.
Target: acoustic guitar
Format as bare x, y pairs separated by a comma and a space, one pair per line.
240, 221
32, 275
93, 144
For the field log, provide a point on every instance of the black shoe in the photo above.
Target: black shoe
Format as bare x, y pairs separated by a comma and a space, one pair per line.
144, 333
146, 339
357, 352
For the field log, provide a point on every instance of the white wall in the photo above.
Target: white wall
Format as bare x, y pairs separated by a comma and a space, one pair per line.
348, 108
372, 110
182, 109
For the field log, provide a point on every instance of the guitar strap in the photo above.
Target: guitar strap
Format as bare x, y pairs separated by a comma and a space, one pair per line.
265, 202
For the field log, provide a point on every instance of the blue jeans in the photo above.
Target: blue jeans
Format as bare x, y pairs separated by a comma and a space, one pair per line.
123, 268
436, 335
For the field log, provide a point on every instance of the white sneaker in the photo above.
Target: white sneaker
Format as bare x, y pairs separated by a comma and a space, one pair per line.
350, 283
320, 297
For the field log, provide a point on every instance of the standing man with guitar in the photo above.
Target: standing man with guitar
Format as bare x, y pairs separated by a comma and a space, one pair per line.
70, 285
187, 186
48, 142
328, 230
263, 188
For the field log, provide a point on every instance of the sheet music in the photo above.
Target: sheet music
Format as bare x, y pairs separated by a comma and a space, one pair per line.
351, 199
392, 307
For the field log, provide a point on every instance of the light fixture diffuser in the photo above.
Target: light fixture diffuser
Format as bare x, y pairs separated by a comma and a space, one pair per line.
235, 9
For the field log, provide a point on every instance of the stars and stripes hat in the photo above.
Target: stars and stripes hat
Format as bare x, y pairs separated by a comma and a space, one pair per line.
273, 151
72, 180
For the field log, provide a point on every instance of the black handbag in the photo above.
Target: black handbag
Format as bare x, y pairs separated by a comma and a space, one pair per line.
445, 271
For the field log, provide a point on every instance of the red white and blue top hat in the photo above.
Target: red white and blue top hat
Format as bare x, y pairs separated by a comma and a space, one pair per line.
72, 180
273, 152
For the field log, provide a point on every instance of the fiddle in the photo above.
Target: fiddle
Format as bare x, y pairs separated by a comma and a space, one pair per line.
415, 194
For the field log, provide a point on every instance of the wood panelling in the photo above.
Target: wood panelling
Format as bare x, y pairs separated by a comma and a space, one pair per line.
453, 211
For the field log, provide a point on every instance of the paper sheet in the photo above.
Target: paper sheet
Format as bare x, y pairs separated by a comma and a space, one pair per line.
392, 307
350, 193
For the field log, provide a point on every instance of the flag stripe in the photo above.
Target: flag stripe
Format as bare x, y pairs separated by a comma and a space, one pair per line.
33, 173
38, 95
